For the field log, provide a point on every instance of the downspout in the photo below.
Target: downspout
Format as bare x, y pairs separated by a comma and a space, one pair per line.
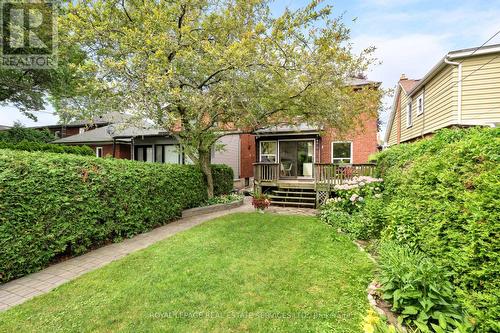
132, 149
459, 88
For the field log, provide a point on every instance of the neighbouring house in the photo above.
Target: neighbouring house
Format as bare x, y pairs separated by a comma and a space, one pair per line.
462, 89
298, 165
149, 144
82, 125
3, 127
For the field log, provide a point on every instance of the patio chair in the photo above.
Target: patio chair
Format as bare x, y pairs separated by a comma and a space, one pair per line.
286, 170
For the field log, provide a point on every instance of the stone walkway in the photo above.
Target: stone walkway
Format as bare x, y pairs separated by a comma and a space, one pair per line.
20, 290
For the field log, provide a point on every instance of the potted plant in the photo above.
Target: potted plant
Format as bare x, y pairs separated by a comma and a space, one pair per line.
260, 202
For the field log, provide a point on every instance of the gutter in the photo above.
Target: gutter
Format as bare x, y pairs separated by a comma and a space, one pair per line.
459, 88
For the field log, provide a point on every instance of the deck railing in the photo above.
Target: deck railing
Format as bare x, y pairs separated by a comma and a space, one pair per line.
267, 172
324, 173
333, 174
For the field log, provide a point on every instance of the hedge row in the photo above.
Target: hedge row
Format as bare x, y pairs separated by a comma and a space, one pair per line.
47, 147
20, 133
54, 205
442, 198
223, 177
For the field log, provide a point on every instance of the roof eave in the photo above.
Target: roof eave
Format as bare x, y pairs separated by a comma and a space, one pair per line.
454, 55
440, 65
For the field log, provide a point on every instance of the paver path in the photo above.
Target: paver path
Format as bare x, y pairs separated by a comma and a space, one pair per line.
20, 290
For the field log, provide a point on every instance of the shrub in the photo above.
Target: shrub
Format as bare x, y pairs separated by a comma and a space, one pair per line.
223, 177
419, 290
442, 199
20, 133
368, 223
357, 208
55, 205
46, 147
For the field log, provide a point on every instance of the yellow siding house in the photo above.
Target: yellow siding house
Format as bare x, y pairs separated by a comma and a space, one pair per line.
462, 90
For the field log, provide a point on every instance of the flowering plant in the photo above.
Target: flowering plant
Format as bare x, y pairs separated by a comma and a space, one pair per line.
260, 201
350, 196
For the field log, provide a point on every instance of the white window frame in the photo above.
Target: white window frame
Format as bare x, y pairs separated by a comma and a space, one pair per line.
420, 104
98, 150
338, 158
409, 115
81, 130
275, 154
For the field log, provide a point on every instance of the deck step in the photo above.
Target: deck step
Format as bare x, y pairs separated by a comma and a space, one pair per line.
308, 193
290, 203
295, 198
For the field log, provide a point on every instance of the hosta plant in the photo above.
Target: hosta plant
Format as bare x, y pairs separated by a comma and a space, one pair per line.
419, 291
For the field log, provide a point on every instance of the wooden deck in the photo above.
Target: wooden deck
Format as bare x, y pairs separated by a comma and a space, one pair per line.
267, 177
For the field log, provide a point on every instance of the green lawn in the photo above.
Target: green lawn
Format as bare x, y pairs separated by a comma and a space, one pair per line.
243, 272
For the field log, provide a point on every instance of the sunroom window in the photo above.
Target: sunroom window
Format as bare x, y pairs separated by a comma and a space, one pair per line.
268, 151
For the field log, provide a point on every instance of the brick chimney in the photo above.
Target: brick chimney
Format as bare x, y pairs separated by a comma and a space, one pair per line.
403, 77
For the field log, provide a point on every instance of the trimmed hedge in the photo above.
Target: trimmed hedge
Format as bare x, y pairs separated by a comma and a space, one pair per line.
443, 198
56, 205
223, 177
47, 147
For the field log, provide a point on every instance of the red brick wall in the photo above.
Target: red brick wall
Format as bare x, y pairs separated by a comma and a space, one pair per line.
72, 131
121, 151
69, 131
247, 155
364, 140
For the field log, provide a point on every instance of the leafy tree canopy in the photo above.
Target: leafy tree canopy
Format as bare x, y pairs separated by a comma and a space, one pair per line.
203, 67
29, 89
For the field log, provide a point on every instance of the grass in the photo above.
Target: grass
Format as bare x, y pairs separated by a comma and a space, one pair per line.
243, 272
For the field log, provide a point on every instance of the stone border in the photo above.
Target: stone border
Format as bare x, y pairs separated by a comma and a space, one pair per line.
376, 303
210, 209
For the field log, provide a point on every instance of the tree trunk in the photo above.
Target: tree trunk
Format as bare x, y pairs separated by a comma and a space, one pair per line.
204, 162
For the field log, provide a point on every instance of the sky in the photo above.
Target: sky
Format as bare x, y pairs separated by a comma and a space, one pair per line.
410, 37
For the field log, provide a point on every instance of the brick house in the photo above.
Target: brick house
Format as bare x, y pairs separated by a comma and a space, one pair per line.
149, 144
299, 165
284, 156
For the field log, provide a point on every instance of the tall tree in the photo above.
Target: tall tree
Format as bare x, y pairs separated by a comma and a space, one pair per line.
204, 67
29, 89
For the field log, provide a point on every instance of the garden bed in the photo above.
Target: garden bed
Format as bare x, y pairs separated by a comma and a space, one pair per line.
212, 208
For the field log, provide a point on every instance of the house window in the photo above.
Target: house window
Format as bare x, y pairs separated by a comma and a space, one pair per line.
342, 152
98, 151
81, 130
420, 105
144, 153
409, 116
172, 154
268, 151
